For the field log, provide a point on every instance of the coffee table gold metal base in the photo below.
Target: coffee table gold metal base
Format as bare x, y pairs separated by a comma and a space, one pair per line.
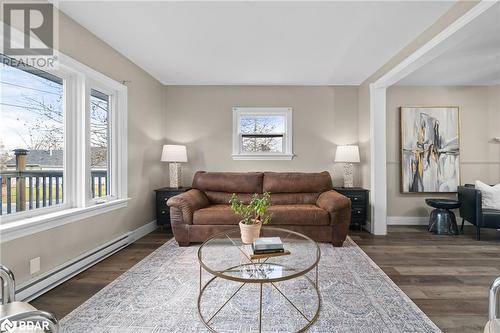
313, 284
224, 256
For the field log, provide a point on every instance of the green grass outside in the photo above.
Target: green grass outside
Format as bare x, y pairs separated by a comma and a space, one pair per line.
13, 193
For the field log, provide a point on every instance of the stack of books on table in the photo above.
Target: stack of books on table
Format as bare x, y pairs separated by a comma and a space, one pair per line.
268, 246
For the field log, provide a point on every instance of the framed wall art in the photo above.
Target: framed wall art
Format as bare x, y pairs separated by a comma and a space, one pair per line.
430, 149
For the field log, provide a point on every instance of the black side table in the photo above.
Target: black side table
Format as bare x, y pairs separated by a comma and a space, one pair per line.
359, 203
162, 210
442, 220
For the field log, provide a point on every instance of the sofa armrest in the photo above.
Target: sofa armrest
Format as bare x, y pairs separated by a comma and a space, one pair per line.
339, 208
470, 204
334, 202
187, 203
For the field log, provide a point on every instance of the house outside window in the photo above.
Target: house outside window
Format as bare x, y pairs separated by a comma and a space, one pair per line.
62, 145
262, 133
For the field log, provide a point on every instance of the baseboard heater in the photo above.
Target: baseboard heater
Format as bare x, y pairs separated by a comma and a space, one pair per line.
43, 283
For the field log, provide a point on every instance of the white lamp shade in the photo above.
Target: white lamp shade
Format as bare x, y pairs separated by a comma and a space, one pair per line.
347, 154
174, 153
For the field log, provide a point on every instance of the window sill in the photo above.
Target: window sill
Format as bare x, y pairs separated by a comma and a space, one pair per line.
32, 225
262, 157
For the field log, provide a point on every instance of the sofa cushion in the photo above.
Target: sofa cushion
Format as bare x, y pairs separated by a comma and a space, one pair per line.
296, 182
282, 215
215, 214
298, 215
229, 182
490, 195
491, 218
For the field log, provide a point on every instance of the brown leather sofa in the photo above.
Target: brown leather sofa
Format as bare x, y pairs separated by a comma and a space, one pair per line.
303, 202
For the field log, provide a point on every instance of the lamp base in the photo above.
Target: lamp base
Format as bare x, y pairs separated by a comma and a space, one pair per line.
348, 175
175, 175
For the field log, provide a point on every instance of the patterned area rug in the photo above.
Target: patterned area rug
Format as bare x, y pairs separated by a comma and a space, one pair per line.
159, 294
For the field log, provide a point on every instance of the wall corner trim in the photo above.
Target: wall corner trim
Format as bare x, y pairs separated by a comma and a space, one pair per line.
33, 288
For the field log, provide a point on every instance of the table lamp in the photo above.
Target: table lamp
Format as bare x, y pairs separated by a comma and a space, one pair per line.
174, 154
347, 154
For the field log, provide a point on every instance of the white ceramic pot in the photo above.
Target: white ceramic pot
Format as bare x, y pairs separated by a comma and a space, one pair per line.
249, 232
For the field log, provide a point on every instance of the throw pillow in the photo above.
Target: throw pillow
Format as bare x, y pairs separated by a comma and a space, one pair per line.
490, 194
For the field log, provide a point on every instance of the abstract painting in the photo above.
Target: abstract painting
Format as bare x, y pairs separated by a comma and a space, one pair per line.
430, 149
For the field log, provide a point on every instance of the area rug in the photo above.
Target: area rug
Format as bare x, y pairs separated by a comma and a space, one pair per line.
159, 294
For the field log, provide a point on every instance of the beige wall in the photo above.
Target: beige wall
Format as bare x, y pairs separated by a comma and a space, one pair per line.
455, 12
479, 124
201, 118
146, 119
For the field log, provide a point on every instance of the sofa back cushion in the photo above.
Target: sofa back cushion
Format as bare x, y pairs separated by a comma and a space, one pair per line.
294, 198
297, 182
276, 198
228, 182
286, 188
490, 195
224, 197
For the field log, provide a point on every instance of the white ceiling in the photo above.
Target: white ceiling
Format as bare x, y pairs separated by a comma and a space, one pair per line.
299, 43
470, 57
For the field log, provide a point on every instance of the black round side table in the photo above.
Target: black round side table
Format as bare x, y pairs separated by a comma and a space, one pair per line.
442, 220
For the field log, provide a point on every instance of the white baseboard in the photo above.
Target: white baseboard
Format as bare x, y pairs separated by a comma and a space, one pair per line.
414, 220
143, 231
407, 220
43, 283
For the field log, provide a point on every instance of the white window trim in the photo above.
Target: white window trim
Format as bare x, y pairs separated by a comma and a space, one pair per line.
119, 110
287, 154
78, 204
32, 225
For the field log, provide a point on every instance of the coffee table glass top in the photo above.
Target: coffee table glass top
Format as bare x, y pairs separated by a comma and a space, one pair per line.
224, 255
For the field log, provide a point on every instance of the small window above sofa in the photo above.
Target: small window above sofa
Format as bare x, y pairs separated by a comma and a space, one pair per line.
262, 133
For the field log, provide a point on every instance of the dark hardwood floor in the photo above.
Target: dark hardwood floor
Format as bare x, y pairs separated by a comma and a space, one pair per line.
69, 295
446, 276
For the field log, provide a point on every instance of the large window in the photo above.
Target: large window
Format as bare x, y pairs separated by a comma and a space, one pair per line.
32, 132
262, 133
55, 154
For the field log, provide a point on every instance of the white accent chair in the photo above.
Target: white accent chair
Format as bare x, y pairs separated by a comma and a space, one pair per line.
493, 325
12, 312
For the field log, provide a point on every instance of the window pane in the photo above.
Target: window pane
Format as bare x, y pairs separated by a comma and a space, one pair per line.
262, 125
99, 143
32, 123
262, 144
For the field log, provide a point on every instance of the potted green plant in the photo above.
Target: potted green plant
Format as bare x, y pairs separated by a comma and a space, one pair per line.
254, 215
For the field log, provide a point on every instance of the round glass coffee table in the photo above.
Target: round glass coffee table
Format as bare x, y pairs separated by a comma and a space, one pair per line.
226, 258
